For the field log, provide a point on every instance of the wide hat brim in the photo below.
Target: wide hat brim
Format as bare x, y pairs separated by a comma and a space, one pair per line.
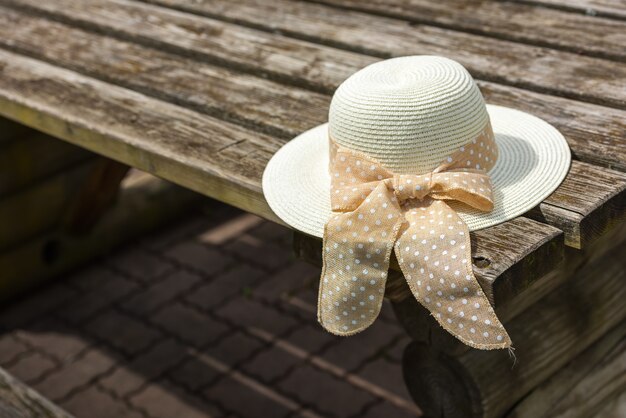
533, 160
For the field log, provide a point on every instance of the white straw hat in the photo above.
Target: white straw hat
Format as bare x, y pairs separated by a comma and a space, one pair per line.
409, 113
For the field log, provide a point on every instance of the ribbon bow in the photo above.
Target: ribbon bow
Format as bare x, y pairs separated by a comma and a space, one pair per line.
375, 211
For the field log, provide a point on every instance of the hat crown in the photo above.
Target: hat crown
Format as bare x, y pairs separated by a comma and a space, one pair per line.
408, 113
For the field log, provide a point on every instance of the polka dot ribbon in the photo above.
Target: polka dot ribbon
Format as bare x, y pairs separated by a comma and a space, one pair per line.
376, 211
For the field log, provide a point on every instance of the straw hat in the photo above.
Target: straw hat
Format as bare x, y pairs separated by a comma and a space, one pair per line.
409, 113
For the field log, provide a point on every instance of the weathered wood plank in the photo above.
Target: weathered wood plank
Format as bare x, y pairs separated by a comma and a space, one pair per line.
536, 68
26, 160
143, 204
422, 327
507, 258
540, 69
210, 156
247, 100
606, 8
584, 386
261, 104
506, 20
199, 152
20, 401
546, 337
98, 191
595, 133
592, 202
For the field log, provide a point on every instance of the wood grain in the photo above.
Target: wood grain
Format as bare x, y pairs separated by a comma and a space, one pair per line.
207, 155
579, 33
584, 386
595, 133
606, 8
590, 202
546, 337
507, 258
235, 97
536, 68
19, 401
420, 326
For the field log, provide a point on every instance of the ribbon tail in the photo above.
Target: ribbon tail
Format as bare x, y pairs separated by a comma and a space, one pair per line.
356, 250
435, 257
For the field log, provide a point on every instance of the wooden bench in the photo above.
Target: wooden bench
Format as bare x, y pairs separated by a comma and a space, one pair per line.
203, 93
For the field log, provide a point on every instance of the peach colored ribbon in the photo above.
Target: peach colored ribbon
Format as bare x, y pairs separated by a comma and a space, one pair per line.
375, 211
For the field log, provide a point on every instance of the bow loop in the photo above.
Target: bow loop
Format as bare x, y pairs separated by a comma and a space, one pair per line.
376, 211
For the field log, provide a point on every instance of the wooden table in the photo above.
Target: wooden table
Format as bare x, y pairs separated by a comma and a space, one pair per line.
202, 93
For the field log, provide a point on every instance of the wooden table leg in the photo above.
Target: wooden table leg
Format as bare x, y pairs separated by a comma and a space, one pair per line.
454, 381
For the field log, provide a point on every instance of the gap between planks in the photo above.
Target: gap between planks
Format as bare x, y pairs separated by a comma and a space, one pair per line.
551, 71
25, 30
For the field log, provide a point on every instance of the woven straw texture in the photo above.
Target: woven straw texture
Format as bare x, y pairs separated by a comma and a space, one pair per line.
409, 114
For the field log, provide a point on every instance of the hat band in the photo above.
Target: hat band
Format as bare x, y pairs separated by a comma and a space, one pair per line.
375, 211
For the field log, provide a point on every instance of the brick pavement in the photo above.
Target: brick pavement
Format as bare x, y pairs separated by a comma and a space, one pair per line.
210, 317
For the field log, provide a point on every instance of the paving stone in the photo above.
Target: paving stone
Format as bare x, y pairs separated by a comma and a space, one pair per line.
234, 348
200, 257
140, 264
35, 305
10, 348
82, 308
260, 252
166, 237
247, 313
225, 286
56, 339
93, 403
246, 400
163, 400
130, 376
270, 364
122, 331
230, 229
190, 357
284, 282
31, 367
81, 372
190, 325
93, 276
311, 338
386, 409
195, 373
386, 375
354, 351
299, 306
271, 231
325, 393
161, 292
